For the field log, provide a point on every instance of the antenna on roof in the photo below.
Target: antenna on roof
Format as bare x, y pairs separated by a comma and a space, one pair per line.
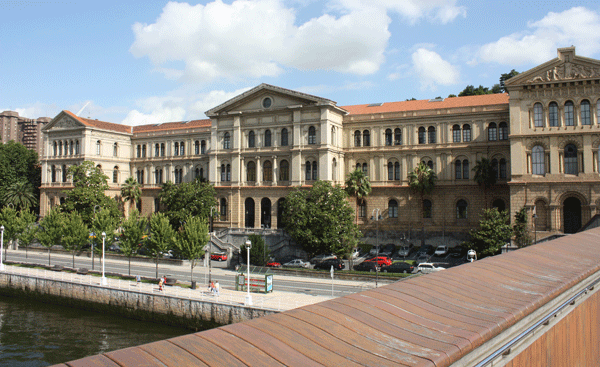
82, 108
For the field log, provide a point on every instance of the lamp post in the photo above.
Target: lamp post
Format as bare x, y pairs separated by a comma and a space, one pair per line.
471, 255
534, 217
1, 247
104, 282
376, 217
94, 239
248, 297
210, 245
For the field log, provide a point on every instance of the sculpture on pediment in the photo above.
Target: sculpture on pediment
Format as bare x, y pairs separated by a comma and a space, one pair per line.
566, 71
66, 123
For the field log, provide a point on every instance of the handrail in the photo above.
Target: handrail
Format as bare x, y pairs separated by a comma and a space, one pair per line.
544, 321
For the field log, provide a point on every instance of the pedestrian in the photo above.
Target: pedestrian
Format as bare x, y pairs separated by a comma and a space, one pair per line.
160, 284
217, 288
212, 287
138, 279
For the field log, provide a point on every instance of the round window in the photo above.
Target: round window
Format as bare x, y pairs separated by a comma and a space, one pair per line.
267, 102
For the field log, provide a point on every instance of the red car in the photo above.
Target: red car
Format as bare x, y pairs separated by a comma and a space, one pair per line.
219, 257
274, 264
380, 260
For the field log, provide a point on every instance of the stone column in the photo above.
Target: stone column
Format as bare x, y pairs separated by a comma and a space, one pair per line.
258, 172
275, 170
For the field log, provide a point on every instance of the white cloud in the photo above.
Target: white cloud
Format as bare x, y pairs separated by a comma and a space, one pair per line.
443, 11
432, 70
157, 116
577, 26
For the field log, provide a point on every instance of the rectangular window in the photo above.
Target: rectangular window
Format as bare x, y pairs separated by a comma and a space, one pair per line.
456, 136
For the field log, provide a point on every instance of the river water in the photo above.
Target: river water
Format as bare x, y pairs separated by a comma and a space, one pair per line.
40, 334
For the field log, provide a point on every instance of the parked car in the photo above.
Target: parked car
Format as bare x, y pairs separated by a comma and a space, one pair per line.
380, 260
375, 250
366, 266
317, 259
327, 264
458, 252
388, 250
355, 253
426, 249
422, 258
296, 263
274, 264
441, 250
428, 268
114, 247
399, 267
218, 256
406, 250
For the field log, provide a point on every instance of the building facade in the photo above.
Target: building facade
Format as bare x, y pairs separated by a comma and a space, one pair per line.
22, 130
542, 138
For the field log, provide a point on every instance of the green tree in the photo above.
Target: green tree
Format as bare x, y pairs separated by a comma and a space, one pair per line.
134, 230
51, 230
472, 91
104, 221
505, 77
19, 164
20, 195
30, 230
494, 231
191, 240
259, 252
359, 186
188, 198
520, 230
75, 233
162, 236
131, 192
485, 176
422, 181
14, 223
321, 219
89, 183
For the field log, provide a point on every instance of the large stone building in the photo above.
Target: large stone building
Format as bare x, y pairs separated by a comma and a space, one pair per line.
542, 138
22, 130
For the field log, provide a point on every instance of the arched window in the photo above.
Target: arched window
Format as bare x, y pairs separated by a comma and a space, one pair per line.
429, 163
586, 118
492, 132
397, 136
156, 150
388, 137
223, 209
53, 173
197, 147
203, 147
312, 135
201, 172
175, 148
229, 172
156, 205
55, 146
76, 146
397, 171
427, 206
226, 141
315, 175
456, 134
495, 168
422, 136
503, 131
458, 169
538, 166
431, 134
465, 165
392, 209
357, 139
182, 148
98, 147
365, 169
499, 204
553, 114
64, 173
466, 133
251, 171
308, 171
268, 171
251, 141
71, 147
390, 171
571, 167
362, 209
284, 171
569, 120
144, 151
267, 138
196, 173
333, 136
66, 147
366, 138
502, 168
138, 149
223, 174
461, 209
162, 149
598, 111
116, 174
284, 137
157, 175
115, 149
60, 145
538, 115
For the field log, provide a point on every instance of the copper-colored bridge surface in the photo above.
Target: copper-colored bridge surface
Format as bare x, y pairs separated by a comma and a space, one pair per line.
431, 320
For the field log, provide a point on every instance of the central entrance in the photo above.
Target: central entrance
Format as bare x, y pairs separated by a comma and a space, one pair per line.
571, 215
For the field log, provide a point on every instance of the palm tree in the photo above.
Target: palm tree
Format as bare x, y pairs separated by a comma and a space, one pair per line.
422, 180
485, 176
131, 191
20, 195
358, 184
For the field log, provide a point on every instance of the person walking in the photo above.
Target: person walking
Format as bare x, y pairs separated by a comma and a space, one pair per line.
217, 288
161, 281
212, 287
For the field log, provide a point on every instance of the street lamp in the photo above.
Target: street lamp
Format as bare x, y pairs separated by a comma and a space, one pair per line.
94, 239
104, 282
210, 246
376, 218
471, 255
248, 297
1, 246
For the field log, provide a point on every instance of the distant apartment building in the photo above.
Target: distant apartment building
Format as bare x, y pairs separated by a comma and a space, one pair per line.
23, 130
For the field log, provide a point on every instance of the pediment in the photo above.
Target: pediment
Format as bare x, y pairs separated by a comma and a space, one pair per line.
278, 98
566, 67
63, 121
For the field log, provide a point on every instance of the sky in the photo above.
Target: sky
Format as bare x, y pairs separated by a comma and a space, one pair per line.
143, 62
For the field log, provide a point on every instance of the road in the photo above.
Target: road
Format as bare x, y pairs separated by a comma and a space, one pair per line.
226, 277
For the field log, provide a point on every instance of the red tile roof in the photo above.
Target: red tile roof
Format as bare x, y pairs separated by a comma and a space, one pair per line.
425, 104
172, 126
100, 124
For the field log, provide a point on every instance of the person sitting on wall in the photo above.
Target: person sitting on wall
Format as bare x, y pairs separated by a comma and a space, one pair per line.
211, 287
161, 281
